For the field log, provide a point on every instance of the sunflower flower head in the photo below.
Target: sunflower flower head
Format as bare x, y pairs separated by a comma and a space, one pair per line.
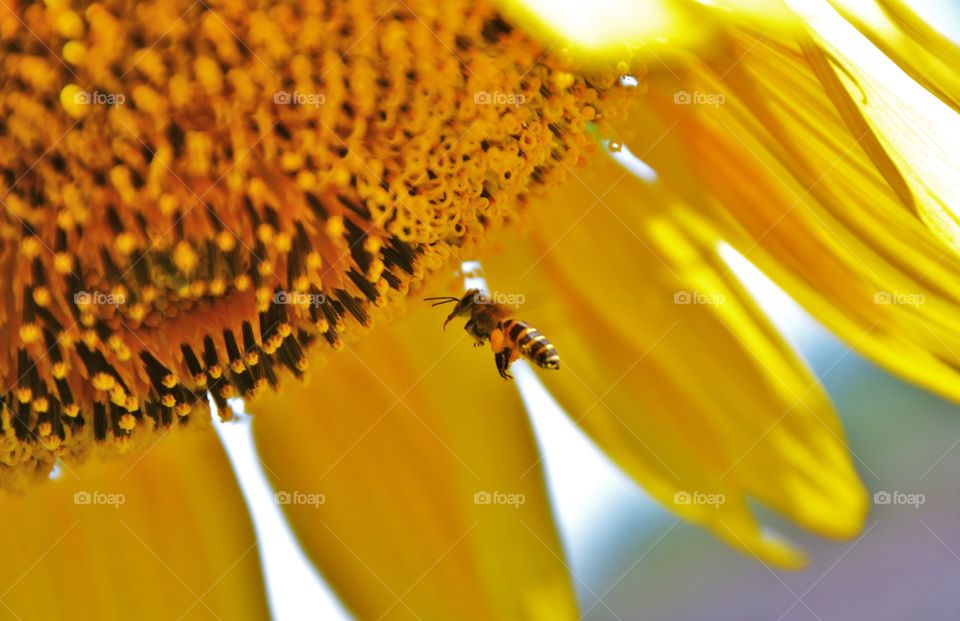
194, 194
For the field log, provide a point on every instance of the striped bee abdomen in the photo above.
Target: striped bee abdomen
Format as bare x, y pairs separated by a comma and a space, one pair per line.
521, 336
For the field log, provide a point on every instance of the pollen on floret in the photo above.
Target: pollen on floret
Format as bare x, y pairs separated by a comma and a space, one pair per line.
102, 381
173, 209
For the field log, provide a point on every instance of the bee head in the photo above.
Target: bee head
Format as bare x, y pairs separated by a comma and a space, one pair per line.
463, 306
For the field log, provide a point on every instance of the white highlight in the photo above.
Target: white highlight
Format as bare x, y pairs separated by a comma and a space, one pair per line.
796, 325
295, 589
626, 158
600, 23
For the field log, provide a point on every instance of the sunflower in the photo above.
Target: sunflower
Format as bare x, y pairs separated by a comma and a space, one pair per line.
211, 200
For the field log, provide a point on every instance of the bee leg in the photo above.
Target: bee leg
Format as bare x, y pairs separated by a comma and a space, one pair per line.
503, 363
471, 328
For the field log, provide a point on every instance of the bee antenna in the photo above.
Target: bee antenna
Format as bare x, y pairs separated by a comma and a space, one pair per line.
442, 300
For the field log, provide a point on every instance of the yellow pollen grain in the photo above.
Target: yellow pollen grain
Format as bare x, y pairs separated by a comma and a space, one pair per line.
335, 227
127, 422
217, 287
58, 370
41, 296
185, 257
168, 204
125, 243
74, 52
29, 333
63, 263
69, 25
89, 338
73, 99
103, 381
282, 242
265, 233
226, 241
137, 312
30, 247
272, 344
118, 396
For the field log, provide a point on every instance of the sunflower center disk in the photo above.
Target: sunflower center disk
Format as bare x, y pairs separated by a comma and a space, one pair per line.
195, 193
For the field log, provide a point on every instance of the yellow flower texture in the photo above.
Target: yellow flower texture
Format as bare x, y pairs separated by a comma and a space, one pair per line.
176, 197
199, 198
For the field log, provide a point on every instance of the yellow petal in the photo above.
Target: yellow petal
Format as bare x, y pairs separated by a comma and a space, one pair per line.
159, 535
916, 131
916, 46
405, 435
812, 195
669, 366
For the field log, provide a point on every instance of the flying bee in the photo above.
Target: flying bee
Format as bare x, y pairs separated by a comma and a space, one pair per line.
509, 338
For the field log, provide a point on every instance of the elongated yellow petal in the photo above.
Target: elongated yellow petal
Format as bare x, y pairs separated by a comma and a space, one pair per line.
916, 131
158, 535
765, 139
672, 370
917, 47
433, 503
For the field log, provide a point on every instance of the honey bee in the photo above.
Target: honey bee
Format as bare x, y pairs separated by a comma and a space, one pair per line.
509, 338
